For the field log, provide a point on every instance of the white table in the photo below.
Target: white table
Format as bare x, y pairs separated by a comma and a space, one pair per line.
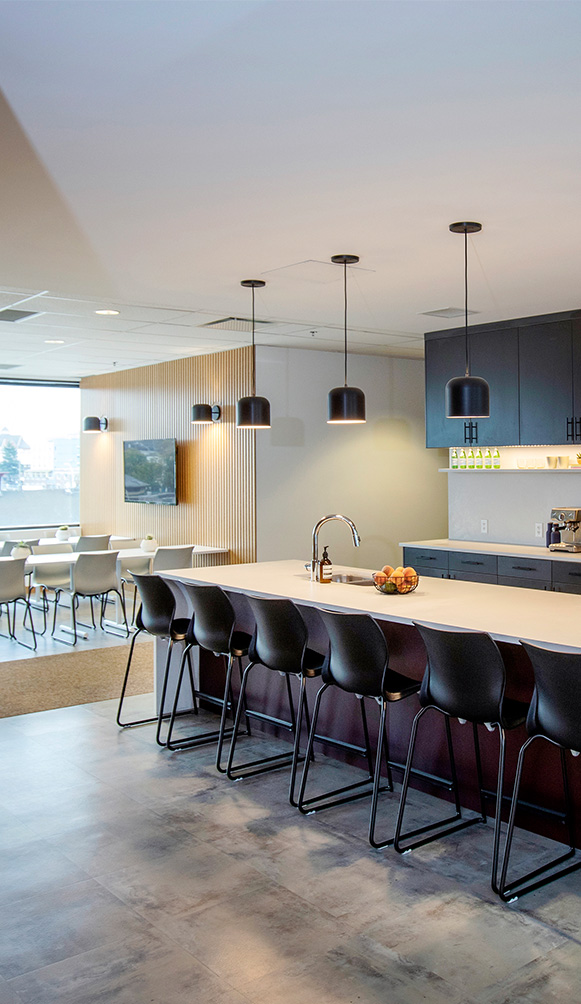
128, 559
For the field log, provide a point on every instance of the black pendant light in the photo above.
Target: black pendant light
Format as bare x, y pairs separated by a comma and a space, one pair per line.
346, 404
467, 396
253, 412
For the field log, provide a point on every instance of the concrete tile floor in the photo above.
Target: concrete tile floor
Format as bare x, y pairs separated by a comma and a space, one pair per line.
136, 876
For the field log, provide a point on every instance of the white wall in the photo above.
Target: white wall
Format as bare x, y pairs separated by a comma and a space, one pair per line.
379, 474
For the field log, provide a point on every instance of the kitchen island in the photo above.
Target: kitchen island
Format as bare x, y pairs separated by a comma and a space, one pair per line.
507, 613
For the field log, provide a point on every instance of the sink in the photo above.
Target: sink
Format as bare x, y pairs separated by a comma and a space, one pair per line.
352, 580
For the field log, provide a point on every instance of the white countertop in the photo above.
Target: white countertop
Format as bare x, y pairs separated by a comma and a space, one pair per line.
480, 547
508, 613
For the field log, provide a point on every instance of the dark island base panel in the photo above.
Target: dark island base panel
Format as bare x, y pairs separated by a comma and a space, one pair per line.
340, 717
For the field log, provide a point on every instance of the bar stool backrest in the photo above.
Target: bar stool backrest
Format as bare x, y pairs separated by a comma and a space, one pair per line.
95, 542
280, 637
358, 656
12, 585
157, 604
214, 617
465, 676
95, 573
172, 557
6, 547
555, 710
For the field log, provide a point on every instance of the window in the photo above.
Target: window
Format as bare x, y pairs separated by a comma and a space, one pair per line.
39, 454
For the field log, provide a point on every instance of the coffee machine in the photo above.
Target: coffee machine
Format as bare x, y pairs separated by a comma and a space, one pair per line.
568, 521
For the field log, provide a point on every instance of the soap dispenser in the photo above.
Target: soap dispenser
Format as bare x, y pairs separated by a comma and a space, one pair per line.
325, 567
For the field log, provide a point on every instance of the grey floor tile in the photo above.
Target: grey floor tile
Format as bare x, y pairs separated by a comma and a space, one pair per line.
35, 866
47, 927
467, 941
255, 930
554, 977
354, 972
194, 876
135, 970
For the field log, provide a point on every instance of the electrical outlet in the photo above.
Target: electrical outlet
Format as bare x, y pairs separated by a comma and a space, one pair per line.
539, 529
483, 526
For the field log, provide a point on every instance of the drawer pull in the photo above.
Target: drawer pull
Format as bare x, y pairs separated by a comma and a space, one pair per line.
525, 568
574, 575
425, 557
472, 562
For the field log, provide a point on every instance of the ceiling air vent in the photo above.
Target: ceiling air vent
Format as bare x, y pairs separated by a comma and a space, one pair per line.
10, 314
232, 324
448, 312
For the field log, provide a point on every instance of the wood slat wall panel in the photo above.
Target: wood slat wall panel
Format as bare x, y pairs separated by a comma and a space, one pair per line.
216, 463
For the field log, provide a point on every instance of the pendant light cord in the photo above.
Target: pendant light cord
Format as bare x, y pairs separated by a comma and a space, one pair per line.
253, 351
466, 299
345, 318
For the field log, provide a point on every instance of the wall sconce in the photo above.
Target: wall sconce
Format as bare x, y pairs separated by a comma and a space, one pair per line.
94, 424
205, 414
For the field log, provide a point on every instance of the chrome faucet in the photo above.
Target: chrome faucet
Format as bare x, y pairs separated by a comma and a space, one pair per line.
317, 527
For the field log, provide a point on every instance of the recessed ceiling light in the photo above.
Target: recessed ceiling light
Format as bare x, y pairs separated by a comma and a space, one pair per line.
54, 341
107, 313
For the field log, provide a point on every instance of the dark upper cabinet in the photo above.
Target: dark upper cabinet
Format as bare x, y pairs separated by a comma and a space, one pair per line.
494, 356
445, 358
533, 366
546, 383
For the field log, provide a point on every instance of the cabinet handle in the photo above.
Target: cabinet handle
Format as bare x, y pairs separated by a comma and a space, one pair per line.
574, 575
425, 557
570, 429
578, 428
471, 562
525, 568
470, 432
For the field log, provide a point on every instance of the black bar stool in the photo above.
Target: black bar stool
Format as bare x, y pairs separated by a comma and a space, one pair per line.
465, 678
357, 662
212, 627
156, 617
554, 715
279, 643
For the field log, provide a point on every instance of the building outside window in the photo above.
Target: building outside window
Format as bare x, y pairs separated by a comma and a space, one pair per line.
39, 454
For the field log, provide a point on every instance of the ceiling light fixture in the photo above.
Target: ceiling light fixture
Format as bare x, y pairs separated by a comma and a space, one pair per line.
92, 423
205, 414
467, 396
108, 313
253, 412
346, 404
54, 341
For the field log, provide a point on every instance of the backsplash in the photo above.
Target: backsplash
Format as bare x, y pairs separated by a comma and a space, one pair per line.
514, 498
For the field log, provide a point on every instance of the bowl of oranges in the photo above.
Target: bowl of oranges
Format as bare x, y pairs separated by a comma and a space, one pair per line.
396, 580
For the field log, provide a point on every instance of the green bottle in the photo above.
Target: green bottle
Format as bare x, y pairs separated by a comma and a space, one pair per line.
454, 460
496, 460
462, 460
488, 461
470, 460
478, 460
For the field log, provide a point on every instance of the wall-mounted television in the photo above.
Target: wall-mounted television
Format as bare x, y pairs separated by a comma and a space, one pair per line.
149, 471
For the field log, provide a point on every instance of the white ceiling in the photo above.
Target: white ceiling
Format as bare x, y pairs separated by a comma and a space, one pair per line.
156, 153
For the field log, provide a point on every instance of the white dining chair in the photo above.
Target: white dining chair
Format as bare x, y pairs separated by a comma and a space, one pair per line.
13, 591
94, 574
53, 576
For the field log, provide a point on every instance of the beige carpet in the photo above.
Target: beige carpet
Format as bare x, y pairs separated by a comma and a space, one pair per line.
57, 681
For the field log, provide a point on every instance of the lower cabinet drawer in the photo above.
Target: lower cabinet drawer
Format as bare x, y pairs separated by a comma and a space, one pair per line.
425, 558
463, 561
473, 576
513, 580
566, 572
567, 587
432, 573
524, 568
